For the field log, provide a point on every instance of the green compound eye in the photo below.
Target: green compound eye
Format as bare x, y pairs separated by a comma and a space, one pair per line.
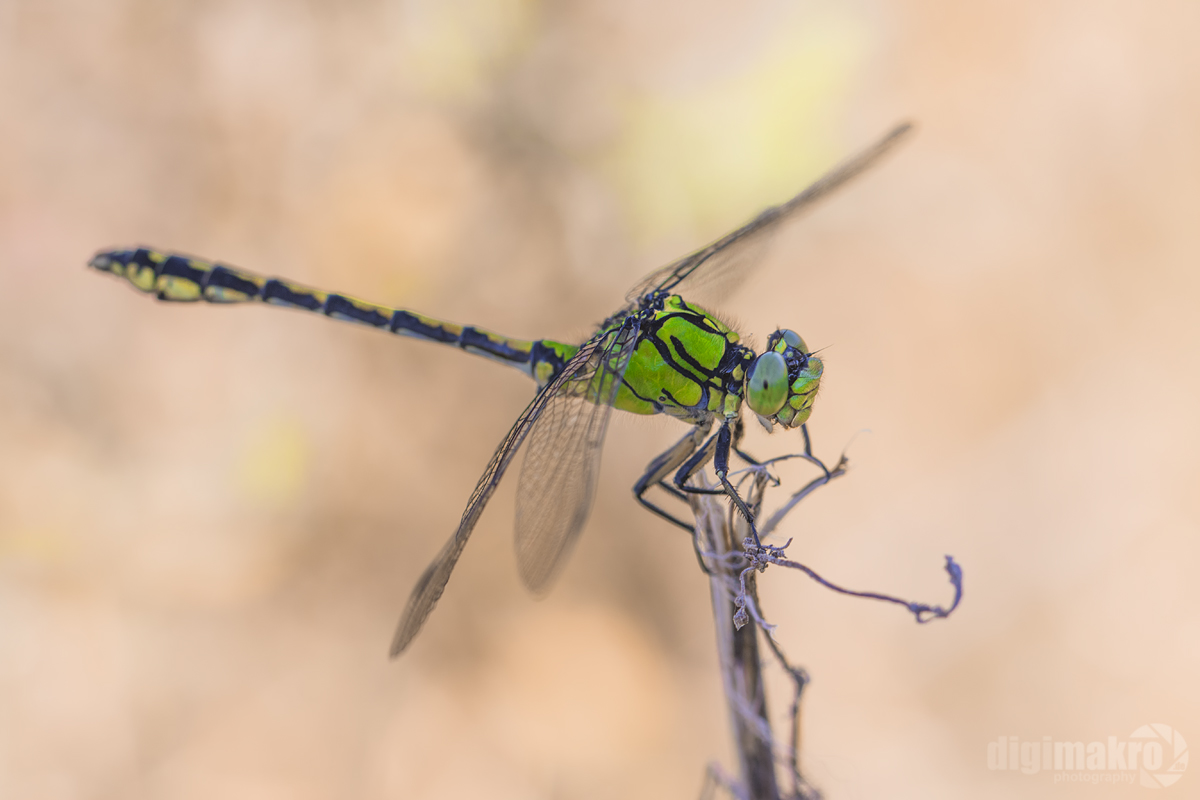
767, 384
788, 339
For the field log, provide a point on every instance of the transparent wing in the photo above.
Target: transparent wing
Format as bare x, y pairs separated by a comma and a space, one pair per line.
721, 266
562, 462
432, 583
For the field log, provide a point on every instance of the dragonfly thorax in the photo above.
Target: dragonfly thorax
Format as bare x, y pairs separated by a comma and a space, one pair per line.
686, 363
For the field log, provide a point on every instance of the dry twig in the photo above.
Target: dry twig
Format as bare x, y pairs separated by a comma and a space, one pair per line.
734, 558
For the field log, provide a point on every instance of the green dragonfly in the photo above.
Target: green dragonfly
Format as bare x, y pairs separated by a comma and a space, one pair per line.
658, 354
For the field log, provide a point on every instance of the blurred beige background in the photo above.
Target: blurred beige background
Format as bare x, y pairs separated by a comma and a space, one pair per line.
210, 517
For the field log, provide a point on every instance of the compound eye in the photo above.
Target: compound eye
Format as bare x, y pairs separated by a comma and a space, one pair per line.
792, 339
767, 384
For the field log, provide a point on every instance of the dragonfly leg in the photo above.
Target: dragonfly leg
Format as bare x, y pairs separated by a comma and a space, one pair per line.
659, 469
749, 459
808, 456
717, 449
666, 463
693, 465
738, 430
721, 468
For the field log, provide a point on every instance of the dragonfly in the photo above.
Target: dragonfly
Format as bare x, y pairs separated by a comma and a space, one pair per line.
658, 354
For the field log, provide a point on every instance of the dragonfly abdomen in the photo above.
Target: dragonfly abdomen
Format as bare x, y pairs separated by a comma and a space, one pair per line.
183, 279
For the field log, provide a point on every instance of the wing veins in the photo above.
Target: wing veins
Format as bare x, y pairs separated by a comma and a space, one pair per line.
705, 260
432, 582
562, 466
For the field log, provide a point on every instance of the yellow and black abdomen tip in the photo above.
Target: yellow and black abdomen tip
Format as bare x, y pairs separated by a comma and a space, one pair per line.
179, 279
135, 266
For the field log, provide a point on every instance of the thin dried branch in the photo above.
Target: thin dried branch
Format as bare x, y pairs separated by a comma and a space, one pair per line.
732, 558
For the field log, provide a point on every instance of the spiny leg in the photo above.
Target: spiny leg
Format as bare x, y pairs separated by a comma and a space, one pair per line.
721, 468
717, 449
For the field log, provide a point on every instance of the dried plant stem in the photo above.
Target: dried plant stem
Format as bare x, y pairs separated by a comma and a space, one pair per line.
737, 647
733, 556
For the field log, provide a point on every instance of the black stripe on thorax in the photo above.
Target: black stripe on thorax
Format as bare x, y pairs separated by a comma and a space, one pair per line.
735, 354
699, 368
654, 401
664, 351
693, 368
673, 401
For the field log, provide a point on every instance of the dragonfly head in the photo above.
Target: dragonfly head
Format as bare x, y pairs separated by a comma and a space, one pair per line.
782, 383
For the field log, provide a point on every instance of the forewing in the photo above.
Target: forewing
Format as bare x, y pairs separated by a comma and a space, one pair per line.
433, 581
562, 461
719, 268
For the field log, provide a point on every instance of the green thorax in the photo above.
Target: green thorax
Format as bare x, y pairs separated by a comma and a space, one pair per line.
686, 363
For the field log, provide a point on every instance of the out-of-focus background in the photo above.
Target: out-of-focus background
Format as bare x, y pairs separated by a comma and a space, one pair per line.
210, 517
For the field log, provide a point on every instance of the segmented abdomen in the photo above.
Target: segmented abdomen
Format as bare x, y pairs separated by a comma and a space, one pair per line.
177, 278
